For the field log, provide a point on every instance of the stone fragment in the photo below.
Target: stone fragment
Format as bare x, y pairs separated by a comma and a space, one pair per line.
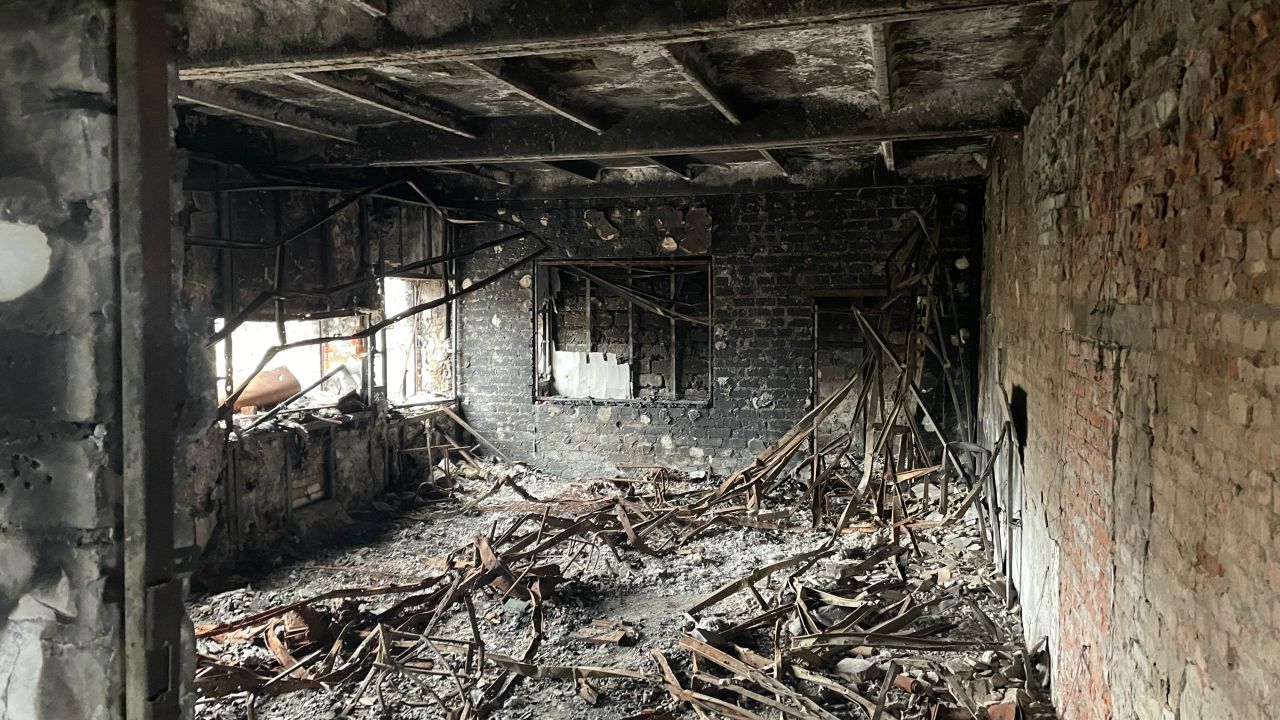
858, 669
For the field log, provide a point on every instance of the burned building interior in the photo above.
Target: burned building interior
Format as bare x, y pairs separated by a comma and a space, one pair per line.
745, 359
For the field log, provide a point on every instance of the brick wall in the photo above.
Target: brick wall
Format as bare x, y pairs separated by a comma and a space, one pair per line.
1132, 292
767, 253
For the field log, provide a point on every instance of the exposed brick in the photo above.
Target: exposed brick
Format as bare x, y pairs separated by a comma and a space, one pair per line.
1151, 461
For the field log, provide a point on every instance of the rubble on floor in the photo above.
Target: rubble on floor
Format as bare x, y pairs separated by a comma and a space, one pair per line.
552, 608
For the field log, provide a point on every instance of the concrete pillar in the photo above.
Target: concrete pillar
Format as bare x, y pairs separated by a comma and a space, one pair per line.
63, 448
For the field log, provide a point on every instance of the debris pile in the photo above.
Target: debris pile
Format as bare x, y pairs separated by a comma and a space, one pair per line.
888, 616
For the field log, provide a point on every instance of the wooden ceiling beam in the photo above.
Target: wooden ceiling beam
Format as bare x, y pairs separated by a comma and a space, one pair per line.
479, 172
685, 59
681, 165
537, 88
373, 8
363, 91
882, 62
584, 169
662, 133
264, 111
510, 30
775, 159
886, 154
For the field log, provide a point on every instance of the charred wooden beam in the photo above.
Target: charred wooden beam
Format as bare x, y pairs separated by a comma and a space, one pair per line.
267, 112
681, 165
584, 169
881, 61
360, 89
479, 172
685, 59
537, 88
618, 183
509, 30
775, 159
375, 8
886, 153
695, 132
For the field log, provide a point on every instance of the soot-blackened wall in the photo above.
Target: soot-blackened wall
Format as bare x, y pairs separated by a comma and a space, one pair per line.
770, 255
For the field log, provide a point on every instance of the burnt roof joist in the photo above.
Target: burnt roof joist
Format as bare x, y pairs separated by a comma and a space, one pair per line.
265, 111
538, 89
693, 68
509, 30
358, 88
695, 132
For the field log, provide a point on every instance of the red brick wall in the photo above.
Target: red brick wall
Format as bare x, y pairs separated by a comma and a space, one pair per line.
1085, 580
1132, 291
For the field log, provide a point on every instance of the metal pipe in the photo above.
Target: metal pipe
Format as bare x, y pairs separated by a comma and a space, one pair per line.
268, 295
333, 211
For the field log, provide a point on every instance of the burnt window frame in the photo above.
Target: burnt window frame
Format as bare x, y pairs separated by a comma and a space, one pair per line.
223, 366
542, 337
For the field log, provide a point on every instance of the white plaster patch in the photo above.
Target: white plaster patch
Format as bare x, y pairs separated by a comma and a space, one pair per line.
24, 259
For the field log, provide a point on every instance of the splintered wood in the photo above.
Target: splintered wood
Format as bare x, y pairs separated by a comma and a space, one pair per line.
881, 619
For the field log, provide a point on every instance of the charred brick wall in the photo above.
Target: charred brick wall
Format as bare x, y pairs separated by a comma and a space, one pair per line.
1132, 296
769, 254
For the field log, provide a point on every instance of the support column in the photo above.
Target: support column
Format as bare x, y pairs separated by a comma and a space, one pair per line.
86, 431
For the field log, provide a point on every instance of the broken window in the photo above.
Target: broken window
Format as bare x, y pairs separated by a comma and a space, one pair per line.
419, 349
323, 373
623, 330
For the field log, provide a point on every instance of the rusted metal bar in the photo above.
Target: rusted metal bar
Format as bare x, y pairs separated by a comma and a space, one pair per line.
417, 309
332, 212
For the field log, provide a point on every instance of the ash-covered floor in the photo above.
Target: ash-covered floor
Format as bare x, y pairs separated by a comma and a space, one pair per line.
858, 625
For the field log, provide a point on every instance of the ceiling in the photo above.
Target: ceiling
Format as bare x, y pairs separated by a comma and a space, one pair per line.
502, 97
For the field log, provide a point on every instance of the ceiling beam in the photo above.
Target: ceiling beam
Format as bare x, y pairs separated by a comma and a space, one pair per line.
886, 153
774, 159
265, 111
681, 165
374, 8
536, 88
695, 132
584, 169
618, 183
880, 59
361, 90
685, 59
508, 29
496, 177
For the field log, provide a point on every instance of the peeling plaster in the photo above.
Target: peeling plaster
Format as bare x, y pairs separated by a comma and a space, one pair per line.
24, 259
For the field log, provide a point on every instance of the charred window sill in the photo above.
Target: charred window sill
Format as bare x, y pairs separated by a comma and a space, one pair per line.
350, 419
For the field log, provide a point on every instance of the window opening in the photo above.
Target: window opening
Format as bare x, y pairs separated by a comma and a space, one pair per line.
623, 330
